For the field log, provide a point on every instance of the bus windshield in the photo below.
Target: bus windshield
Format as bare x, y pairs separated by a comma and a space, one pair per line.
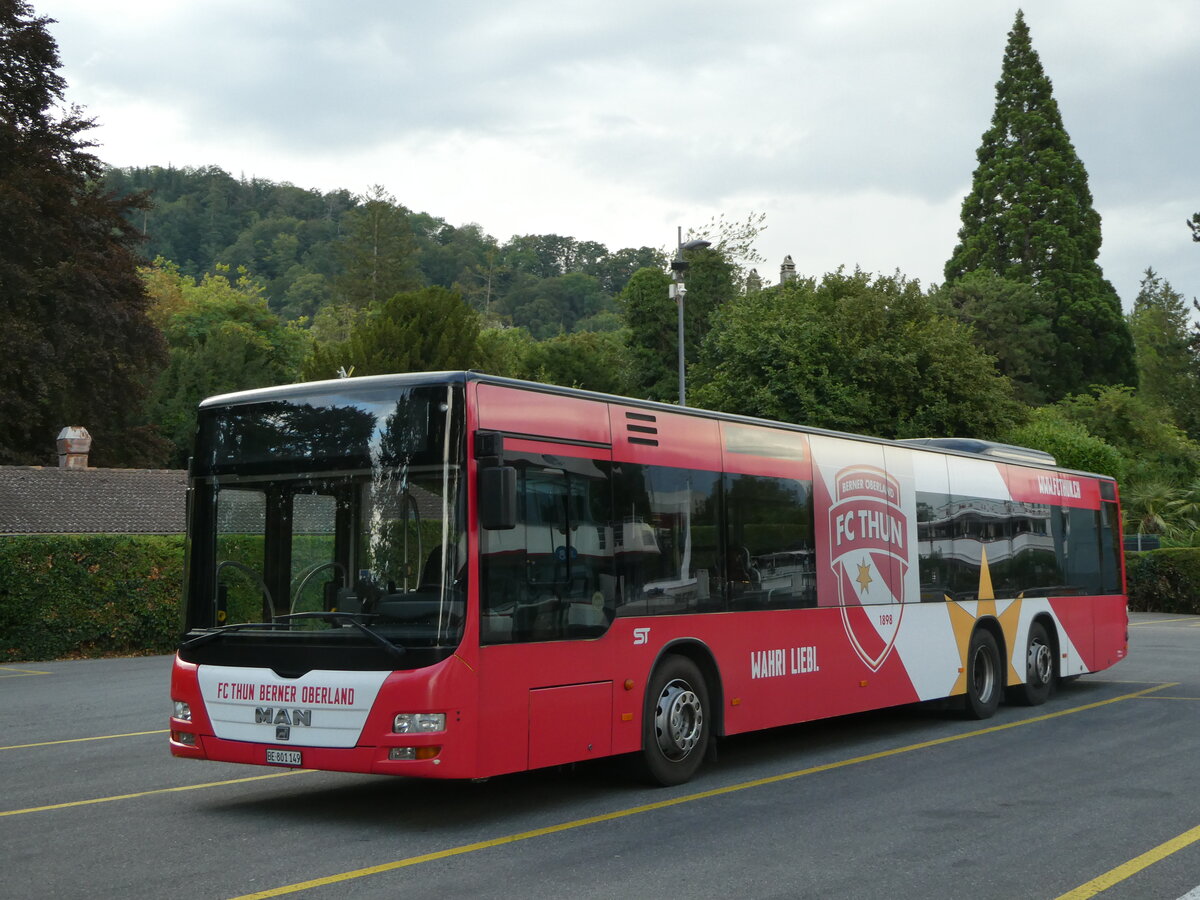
330, 515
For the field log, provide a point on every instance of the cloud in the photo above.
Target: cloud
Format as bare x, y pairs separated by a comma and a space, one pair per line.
618, 121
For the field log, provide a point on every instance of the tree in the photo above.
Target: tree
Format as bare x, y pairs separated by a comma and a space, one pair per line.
79, 348
734, 241
554, 305
1070, 443
1154, 447
1013, 322
653, 319
1144, 433
594, 361
1029, 218
650, 315
222, 338
855, 353
429, 330
378, 252
1194, 224
1166, 359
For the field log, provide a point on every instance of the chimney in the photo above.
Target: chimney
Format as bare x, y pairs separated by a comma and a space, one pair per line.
74, 444
787, 271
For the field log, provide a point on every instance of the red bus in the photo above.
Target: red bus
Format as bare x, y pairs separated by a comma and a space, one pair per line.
454, 575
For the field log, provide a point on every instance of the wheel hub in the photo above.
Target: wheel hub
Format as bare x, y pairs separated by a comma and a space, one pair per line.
1039, 663
678, 720
983, 674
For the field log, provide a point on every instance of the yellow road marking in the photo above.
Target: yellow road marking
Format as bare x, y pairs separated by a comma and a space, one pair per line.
1165, 621
100, 737
7, 672
665, 804
170, 790
1135, 865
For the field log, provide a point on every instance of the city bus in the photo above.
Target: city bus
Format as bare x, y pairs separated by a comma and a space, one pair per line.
457, 575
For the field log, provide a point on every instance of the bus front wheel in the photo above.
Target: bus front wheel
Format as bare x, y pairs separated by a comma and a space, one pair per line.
984, 677
676, 722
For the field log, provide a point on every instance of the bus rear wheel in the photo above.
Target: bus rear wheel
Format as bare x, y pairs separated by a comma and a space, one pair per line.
1039, 669
984, 678
676, 722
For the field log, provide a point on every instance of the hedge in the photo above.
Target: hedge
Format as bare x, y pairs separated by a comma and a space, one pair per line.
97, 595
1164, 580
89, 595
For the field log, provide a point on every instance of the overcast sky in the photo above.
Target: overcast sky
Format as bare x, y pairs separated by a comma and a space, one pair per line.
852, 124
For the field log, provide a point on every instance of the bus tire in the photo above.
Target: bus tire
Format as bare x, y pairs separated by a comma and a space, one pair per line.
676, 722
1039, 669
984, 678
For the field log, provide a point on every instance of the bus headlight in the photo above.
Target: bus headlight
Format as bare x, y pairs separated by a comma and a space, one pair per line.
183, 711
413, 753
419, 723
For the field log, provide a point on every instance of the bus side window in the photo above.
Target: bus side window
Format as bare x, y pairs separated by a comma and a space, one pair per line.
550, 577
665, 539
770, 553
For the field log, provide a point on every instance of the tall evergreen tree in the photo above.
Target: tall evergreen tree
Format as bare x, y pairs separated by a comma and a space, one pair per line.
653, 334
428, 330
379, 252
1168, 370
1029, 218
79, 348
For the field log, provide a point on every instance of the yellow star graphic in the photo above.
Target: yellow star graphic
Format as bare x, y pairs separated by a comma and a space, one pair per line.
864, 576
962, 620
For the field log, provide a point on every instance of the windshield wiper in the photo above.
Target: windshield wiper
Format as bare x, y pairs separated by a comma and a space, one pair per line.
394, 650
213, 633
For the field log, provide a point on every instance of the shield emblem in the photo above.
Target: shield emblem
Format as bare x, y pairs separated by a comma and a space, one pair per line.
867, 531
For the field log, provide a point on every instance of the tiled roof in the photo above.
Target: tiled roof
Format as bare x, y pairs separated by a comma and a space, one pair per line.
36, 500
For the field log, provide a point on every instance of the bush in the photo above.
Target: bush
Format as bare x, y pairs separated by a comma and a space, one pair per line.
89, 595
1070, 443
1164, 580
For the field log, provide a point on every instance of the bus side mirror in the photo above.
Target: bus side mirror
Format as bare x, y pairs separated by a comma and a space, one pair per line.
498, 498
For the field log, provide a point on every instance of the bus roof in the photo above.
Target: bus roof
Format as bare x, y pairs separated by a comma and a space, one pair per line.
955, 446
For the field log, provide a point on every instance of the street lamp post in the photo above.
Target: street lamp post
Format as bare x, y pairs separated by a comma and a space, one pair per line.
679, 267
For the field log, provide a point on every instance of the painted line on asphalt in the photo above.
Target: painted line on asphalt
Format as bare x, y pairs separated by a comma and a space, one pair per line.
99, 737
8, 672
677, 801
171, 790
1166, 621
1115, 876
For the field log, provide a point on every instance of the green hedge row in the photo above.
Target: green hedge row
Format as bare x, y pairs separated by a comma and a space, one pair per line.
1164, 580
95, 595
89, 595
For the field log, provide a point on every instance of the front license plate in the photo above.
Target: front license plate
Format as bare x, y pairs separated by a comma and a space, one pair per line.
283, 757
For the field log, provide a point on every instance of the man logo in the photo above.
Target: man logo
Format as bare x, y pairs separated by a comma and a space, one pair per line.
268, 715
641, 635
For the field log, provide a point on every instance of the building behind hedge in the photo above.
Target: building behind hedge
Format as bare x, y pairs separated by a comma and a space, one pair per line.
91, 560
74, 499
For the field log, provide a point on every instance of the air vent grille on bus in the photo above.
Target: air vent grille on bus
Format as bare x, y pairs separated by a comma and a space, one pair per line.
648, 428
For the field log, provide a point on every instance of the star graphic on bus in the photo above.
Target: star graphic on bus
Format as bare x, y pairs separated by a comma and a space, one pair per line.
864, 576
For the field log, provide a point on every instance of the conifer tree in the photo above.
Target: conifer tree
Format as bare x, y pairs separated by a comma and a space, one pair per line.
1029, 218
79, 348
1168, 369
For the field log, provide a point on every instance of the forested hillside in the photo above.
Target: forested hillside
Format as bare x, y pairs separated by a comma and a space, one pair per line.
129, 295
308, 250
